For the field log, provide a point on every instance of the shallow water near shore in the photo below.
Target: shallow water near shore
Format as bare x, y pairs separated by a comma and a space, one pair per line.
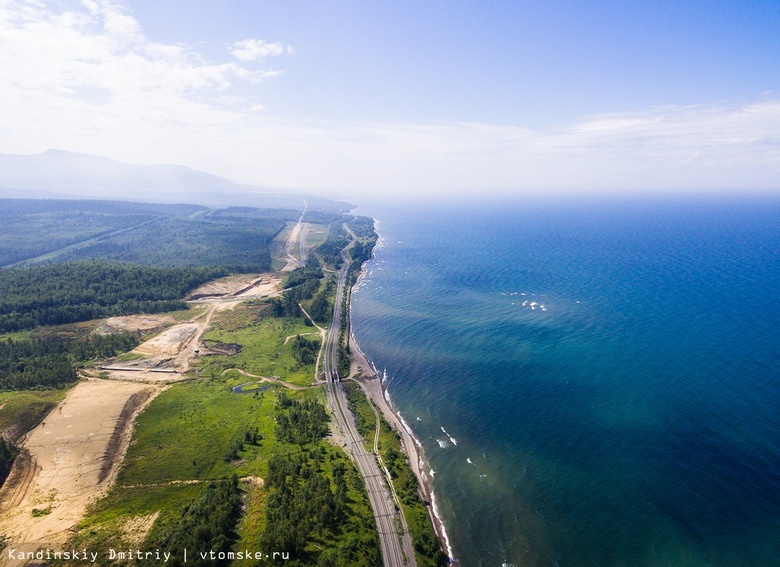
593, 384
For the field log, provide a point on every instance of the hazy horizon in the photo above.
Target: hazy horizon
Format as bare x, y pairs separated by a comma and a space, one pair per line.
405, 100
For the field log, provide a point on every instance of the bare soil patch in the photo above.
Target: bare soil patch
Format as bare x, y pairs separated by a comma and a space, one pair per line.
71, 459
241, 285
170, 342
292, 239
143, 323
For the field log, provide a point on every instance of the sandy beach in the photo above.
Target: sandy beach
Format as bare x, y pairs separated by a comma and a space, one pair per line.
371, 382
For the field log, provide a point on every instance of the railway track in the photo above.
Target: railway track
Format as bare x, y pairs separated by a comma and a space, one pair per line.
394, 540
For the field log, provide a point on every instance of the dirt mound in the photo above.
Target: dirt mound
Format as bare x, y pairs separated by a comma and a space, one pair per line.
242, 285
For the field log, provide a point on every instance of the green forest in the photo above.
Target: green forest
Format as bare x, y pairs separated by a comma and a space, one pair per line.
50, 362
311, 494
239, 244
53, 294
36, 230
207, 525
8, 452
33, 227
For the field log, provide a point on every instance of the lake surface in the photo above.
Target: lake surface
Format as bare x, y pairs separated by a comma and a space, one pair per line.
594, 384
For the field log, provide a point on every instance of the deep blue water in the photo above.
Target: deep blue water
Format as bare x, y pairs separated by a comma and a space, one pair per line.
632, 420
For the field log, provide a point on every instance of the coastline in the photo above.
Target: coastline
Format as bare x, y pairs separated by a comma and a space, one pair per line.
371, 383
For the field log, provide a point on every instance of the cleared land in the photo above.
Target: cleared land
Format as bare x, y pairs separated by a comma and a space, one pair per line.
71, 459
243, 286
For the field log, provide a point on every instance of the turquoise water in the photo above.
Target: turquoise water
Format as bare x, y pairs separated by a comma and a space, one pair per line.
594, 384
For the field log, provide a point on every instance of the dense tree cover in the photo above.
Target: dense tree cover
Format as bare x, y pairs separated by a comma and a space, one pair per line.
321, 217
363, 227
300, 422
304, 350
309, 498
240, 244
320, 308
33, 227
330, 250
361, 252
206, 525
299, 276
287, 304
311, 215
301, 504
158, 235
8, 452
242, 214
50, 361
67, 293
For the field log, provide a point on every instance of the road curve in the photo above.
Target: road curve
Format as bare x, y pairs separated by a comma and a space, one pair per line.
388, 518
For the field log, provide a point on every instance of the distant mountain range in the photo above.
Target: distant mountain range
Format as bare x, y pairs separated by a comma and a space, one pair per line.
61, 174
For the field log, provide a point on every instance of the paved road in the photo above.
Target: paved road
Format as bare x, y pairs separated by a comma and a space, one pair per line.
388, 518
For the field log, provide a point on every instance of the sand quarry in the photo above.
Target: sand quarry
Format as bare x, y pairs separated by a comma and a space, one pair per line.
73, 456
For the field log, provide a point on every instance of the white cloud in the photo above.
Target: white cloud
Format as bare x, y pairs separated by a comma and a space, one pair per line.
257, 49
89, 80
54, 63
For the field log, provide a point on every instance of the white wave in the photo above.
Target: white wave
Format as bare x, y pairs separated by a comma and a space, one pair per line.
406, 426
443, 444
433, 473
443, 530
452, 439
525, 303
468, 460
522, 293
418, 418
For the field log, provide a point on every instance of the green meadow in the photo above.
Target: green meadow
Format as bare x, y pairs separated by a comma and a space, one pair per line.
262, 340
183, 441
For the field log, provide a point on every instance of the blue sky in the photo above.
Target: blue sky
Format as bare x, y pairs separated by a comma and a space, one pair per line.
405, 97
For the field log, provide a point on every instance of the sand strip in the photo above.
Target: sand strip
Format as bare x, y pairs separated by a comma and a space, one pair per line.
371, 382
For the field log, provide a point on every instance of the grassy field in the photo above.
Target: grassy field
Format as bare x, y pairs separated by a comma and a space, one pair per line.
188, 430
277, 247
316, 235
262, 338
180, 443
113, 522
22, 411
